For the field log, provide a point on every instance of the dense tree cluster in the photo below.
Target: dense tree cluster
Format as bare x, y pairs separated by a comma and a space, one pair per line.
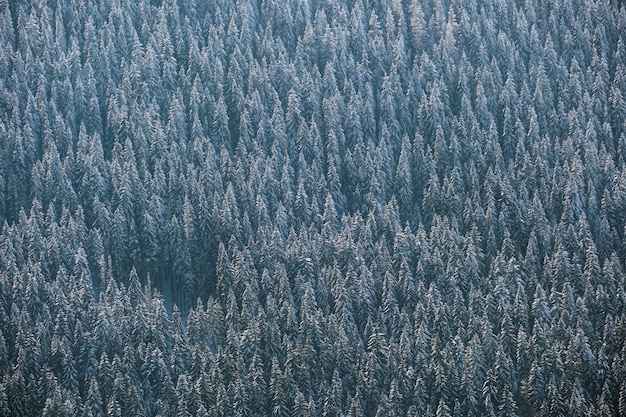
312, 208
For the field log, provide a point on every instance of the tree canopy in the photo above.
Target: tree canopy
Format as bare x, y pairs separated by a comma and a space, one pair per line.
312, 208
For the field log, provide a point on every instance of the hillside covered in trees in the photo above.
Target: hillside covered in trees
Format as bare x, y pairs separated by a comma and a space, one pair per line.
312, 208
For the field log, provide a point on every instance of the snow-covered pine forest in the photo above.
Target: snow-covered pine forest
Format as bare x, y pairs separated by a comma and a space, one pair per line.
312, 208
